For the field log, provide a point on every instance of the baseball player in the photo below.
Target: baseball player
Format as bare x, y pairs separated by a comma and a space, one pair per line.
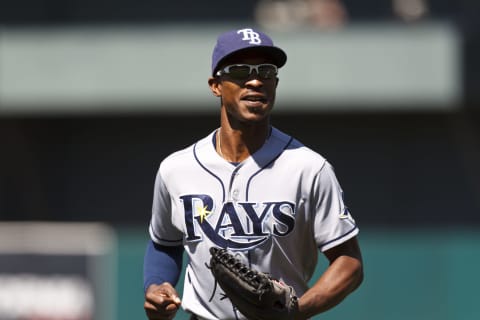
252, 189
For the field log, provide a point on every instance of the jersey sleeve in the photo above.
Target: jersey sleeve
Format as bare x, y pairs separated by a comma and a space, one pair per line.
162, 230
333, 222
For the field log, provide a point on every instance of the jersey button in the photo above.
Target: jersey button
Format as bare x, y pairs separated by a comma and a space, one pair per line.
235, 194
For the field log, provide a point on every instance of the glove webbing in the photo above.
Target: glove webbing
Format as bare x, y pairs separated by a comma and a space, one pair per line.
260, 282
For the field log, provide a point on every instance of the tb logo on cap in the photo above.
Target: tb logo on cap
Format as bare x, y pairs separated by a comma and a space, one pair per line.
249, 34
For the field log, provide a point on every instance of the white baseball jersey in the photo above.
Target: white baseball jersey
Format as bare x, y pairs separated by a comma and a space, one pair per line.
275, 210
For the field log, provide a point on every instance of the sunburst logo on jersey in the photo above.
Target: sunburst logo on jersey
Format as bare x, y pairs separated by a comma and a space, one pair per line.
346, 215
203, 213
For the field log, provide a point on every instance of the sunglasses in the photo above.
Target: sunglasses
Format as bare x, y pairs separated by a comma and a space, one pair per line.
244, 71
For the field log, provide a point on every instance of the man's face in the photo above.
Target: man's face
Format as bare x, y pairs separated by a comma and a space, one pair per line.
246, 100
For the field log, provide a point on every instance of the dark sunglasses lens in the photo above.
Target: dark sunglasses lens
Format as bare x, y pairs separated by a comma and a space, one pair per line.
239, 72
267, 71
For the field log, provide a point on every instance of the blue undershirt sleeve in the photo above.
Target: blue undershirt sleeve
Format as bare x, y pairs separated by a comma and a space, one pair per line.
161, 264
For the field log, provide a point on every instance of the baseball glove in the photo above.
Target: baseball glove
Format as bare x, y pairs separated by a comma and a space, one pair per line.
255, 294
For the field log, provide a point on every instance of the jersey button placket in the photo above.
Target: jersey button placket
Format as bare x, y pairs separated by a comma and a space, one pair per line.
234, 186
235, 194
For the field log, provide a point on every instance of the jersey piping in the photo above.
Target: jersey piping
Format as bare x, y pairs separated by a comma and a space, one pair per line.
209, 172
161, 240
323, 245
263, 167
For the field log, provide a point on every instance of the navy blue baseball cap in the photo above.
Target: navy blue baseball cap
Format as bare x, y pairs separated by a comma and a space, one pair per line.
246, 39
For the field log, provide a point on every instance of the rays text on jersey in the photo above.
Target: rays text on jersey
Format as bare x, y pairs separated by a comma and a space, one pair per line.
240, 225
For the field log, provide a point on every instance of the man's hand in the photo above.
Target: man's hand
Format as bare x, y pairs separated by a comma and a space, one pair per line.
161, 302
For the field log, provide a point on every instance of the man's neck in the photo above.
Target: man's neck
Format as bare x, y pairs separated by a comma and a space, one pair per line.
237, 145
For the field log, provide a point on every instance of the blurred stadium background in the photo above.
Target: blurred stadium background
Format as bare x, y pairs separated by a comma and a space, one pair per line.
93, 94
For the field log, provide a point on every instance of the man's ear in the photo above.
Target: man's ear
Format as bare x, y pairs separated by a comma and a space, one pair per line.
215, 87
278, 80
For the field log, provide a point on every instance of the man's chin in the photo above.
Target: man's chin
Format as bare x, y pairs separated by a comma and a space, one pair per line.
259, 110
